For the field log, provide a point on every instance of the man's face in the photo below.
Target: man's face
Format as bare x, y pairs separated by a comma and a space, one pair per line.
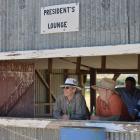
129, 85
69, 91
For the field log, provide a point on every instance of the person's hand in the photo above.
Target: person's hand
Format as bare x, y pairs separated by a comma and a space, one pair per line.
65, 117
94, 117
133, 117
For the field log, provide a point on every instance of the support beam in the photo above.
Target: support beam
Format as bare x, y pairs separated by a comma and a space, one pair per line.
103, 63
50, 61
115, 77
48, 92
78, 72
66, 60
65, 74
139, 69
48, 78
103, 69
122, 71
92, 91
78, 64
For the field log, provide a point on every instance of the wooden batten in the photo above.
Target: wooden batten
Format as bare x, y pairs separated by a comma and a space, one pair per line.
46, 82
42, 79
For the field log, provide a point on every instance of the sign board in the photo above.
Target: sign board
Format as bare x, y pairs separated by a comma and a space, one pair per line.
60, 18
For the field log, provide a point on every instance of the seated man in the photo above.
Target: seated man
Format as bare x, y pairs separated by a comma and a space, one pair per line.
109, 105
71, 104
130, 95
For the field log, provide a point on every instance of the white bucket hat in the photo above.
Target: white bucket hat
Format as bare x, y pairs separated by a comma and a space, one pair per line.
71, 82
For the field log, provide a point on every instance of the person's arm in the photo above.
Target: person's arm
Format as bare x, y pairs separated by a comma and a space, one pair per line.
116, 105
57, 114
112, 118
81, 109
97, 106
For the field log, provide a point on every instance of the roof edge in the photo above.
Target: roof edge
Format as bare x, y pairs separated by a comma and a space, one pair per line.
72, 52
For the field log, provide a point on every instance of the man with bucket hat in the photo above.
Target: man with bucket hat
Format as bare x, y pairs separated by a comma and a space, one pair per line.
109, 105
71, 104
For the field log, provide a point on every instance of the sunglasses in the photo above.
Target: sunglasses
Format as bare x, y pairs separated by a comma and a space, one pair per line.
66, 87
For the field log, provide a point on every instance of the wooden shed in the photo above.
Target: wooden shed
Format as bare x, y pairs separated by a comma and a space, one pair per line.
44, 41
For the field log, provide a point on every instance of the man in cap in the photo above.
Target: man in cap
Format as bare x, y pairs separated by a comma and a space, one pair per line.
71, 104
109, 105
130, 96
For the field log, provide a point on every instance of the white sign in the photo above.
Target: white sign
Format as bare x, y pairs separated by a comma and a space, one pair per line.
60, 18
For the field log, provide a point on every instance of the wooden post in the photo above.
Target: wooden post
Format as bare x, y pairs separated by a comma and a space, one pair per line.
50, 61
50, 65
92, 91
103, 63
65, 74
139, 69
78, 64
